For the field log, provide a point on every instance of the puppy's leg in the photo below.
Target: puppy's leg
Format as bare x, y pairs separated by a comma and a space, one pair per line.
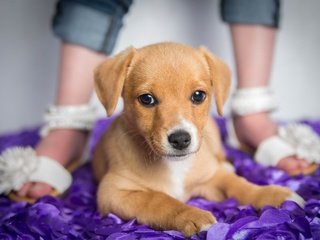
249, 193
152, 208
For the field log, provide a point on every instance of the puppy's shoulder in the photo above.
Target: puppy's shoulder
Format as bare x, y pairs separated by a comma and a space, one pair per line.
105, 147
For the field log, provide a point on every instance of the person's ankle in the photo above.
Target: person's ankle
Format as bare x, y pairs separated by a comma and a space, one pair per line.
252, 129
63, 145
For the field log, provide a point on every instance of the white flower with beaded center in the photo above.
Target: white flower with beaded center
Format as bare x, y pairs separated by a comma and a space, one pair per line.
303, 139
16, 165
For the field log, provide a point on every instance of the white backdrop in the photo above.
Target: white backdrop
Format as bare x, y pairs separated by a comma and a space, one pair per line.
29, 52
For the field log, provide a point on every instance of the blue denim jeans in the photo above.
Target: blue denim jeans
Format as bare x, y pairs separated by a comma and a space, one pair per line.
261, 12
95, 24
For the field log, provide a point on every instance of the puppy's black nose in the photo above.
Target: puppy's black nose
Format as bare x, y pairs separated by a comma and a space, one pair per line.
179, 140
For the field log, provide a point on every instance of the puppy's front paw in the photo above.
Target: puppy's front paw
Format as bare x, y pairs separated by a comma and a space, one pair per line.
193, 220
275, 195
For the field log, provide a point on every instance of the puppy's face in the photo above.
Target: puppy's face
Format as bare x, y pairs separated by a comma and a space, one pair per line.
167, 92
167, 96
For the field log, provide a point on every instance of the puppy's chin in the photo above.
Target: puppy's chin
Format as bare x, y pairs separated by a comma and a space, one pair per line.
170, 156
178, 157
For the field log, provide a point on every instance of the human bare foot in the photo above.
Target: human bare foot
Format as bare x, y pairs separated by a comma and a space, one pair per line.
252, 129
64, 146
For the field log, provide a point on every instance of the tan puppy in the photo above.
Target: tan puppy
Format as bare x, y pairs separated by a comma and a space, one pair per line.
164, 148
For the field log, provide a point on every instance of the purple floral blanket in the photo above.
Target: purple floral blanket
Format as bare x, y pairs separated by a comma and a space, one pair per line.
74, 215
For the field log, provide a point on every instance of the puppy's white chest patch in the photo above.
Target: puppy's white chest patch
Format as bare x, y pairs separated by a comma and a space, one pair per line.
178, 171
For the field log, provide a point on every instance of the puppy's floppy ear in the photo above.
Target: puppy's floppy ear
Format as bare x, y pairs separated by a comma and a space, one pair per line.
109, 79
220, 78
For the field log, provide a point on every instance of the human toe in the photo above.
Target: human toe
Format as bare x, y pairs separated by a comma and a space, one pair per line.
39, 190
24, 189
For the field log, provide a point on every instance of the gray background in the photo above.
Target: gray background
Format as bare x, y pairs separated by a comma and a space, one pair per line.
29, 53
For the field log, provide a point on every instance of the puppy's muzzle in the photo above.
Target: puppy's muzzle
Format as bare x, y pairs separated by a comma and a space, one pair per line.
179, 140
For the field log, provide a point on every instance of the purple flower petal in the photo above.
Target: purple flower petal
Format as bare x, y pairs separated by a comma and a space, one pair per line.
218, 231
241, 226
175, 234
277, 235
121, 236
107, 230
302, 225
271, 217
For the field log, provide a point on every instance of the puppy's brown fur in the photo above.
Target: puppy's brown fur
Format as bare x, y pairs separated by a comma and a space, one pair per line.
141, 174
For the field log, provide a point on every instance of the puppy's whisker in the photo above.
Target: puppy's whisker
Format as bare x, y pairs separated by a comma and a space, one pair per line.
130, 132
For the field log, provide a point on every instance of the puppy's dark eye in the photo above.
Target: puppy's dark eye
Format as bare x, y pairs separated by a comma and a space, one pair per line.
147, 100
198, 97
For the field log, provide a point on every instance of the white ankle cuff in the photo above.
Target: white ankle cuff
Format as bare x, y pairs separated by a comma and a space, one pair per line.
79, 117
252, 100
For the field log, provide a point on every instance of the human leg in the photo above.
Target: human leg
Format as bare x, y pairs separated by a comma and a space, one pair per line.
253, 26
74, 88
253, 48
88, 32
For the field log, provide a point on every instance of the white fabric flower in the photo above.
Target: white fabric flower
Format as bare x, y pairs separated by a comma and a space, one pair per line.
16, 165
305, 141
